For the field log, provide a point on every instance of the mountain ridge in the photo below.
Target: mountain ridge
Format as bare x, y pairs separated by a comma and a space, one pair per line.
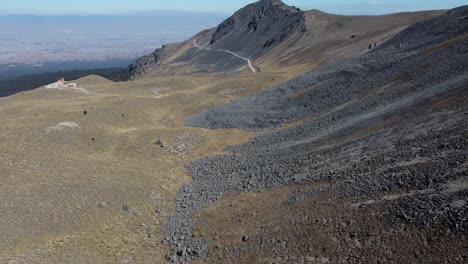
274, 36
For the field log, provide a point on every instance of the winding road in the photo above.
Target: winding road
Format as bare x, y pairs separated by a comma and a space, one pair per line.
252, 68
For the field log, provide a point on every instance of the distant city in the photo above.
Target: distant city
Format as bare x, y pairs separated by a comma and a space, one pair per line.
36, 43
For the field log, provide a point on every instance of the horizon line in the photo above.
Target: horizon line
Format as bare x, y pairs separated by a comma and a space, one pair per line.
159, 11
133, 13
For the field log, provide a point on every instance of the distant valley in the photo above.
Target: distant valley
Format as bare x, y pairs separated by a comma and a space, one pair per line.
36, 50
12, 71
40, 39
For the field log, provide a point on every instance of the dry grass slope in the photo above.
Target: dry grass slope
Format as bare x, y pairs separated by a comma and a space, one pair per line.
99, 191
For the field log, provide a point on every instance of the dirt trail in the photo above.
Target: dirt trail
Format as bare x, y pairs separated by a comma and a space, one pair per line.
70, 89
252, 68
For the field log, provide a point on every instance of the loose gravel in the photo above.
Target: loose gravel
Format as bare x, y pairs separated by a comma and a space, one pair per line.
388, 121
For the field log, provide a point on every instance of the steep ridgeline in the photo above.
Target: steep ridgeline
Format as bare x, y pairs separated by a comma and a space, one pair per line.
270, 35
148, 62
251, 32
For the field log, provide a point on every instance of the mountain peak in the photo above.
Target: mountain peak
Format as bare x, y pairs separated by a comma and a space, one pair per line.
273, 4
276, 2
265, 22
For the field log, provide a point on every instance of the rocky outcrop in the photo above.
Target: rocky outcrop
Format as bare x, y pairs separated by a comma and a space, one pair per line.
254, 29
251, 32
142, 65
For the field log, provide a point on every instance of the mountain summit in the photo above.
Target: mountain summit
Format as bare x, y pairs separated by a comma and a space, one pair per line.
251, 32
257, 27
270, 35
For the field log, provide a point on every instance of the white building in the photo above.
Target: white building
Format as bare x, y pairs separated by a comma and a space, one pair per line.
55, 85
60, 84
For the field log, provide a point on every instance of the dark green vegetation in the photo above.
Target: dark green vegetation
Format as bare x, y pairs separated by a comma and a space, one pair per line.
12, 71
30, 82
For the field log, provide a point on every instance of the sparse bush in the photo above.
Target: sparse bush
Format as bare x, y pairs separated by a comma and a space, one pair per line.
159, 143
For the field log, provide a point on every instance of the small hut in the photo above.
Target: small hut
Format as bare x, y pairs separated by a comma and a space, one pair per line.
71, 85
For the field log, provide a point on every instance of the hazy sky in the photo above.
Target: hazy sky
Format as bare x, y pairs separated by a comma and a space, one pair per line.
53, 7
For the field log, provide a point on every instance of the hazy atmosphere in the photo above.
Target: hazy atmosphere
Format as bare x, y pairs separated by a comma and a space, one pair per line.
41, 36
35, 43
86, 7
233, 131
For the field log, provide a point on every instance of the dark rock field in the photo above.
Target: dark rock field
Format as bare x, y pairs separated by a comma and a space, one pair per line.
387, 129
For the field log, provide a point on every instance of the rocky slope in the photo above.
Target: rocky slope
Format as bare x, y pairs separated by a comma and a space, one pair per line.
383, 137
274, 35
251, 32
258, 27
